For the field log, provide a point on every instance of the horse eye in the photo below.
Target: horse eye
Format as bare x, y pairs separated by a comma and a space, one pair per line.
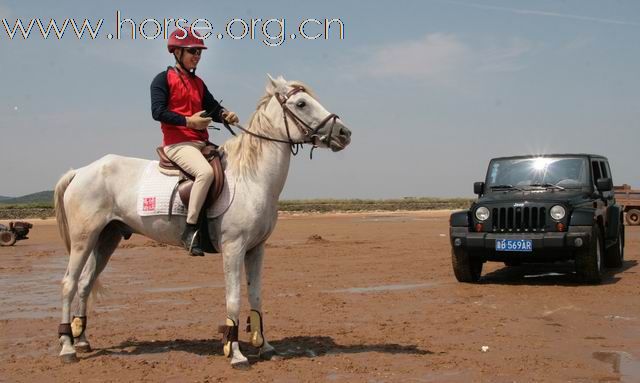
301, 104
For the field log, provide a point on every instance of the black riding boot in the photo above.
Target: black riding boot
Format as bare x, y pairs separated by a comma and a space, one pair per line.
191, 240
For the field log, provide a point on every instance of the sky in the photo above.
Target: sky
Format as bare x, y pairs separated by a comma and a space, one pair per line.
431, 89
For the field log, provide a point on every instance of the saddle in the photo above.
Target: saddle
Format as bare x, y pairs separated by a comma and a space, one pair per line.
185, 184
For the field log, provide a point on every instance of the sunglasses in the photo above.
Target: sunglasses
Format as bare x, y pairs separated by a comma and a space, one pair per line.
194, 51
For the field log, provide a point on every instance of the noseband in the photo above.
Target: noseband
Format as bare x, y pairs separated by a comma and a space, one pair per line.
309, 132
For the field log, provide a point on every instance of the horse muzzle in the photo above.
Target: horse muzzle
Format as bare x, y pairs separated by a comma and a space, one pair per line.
337, 137
341, 137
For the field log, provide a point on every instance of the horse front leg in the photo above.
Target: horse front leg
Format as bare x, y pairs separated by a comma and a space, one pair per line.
233, 258
255, 323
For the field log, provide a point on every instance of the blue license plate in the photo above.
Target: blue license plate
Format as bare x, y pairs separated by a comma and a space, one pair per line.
514, 245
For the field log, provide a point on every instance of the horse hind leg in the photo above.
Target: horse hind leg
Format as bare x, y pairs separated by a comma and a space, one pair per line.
255, 324
107, 243
83, 243
79, 322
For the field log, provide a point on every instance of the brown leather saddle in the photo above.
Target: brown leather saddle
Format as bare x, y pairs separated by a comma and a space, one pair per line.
185, 184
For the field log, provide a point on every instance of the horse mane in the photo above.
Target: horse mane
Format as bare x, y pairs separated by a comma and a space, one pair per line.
243, 151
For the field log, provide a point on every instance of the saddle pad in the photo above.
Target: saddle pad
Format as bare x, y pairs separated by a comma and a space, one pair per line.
155, 192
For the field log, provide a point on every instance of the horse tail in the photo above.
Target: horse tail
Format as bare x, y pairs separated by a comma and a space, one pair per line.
58, 199
97, 291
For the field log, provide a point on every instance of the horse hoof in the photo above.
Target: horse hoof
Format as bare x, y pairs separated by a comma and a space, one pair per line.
242, 366
83, 347
270, 355
69, 358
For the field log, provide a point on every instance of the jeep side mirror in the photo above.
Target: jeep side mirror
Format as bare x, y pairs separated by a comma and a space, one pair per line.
604, 184
478, 188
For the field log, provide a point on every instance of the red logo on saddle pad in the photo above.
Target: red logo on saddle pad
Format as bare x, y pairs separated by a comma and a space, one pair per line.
149, 204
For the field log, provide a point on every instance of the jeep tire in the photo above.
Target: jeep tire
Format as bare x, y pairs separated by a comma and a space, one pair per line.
466, 268
633, 217
7, 238
589, 260
615, 254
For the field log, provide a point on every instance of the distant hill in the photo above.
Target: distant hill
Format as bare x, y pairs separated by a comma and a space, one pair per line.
44, 197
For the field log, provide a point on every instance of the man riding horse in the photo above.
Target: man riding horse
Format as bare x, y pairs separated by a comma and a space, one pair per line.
97, 205
183, 105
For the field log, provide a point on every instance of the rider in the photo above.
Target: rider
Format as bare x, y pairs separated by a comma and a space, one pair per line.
179, 100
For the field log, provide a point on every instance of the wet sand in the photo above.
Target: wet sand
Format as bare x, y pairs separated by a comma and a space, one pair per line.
347, 298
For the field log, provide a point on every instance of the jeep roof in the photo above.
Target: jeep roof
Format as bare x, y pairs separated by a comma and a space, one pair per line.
552, 155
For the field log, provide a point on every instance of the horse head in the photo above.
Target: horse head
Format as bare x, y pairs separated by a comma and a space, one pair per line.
302, 117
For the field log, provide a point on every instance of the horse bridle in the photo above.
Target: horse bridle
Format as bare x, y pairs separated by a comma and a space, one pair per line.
308, 131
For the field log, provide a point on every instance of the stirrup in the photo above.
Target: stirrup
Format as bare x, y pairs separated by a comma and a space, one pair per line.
190, 246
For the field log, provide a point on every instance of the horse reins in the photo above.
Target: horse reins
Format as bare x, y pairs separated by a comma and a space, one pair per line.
308, 131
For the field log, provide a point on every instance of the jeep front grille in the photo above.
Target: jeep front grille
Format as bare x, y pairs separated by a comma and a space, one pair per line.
519, 218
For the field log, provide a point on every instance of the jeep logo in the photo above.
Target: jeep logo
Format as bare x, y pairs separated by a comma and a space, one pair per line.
518, 205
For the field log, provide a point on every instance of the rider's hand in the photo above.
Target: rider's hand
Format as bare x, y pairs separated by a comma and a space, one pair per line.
197, 122
230, 117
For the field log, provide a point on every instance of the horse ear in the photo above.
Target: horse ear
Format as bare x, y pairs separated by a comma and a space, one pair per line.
272, 85
272, 80
278, 84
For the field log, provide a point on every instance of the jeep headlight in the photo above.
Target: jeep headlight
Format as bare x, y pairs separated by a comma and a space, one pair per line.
482, 213
557, 212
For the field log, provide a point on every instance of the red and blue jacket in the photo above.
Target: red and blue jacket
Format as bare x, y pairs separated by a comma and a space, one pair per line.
174, 97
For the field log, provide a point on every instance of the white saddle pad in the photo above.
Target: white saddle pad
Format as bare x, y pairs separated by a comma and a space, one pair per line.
155, 192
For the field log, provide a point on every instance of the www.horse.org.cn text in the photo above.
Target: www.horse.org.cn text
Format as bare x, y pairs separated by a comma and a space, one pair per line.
271, 32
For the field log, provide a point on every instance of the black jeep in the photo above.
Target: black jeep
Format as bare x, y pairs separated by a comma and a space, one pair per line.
533, 209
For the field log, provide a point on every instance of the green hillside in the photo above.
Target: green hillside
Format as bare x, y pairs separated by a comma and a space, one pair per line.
40, 198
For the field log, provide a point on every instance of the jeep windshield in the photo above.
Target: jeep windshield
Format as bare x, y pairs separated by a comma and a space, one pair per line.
558, 173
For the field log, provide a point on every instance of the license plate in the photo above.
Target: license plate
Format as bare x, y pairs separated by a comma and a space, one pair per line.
514, 245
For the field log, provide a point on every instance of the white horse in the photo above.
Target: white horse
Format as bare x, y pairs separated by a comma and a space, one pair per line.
96, 206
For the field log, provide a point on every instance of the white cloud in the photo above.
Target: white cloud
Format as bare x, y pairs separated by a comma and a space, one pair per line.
430, 57
440, 56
